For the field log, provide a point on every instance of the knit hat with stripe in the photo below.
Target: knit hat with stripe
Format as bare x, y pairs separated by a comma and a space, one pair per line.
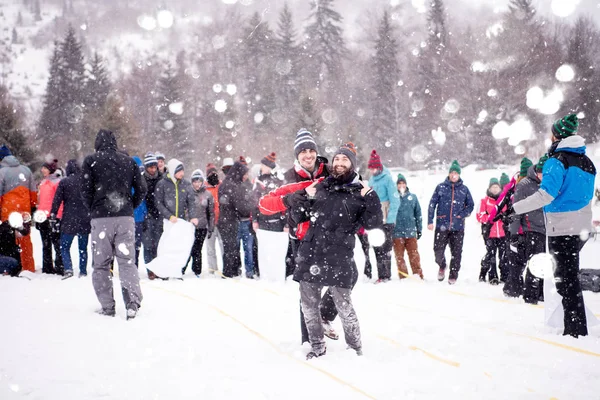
269, 160
304, 140
349, 151
525, 164
150, 160
566, 126
375, 161
540, 164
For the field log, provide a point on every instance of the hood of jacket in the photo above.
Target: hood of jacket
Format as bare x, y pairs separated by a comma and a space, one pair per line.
73, 167
172, 167
105, 140
571, 144
382, 174
10, 161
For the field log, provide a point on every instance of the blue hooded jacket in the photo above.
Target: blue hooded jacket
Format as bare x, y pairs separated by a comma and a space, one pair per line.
385, 187
139, 214
453, 202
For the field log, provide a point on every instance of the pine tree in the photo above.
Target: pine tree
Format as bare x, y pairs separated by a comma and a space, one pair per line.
438, 32
287, 59
385, 80
310, 119
173, 117
37, 11
324, 42
97, 84
52, 119
20, 19
12, 133
15, 38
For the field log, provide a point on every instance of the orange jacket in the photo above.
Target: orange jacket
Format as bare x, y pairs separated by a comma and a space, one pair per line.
214, 190
17, 188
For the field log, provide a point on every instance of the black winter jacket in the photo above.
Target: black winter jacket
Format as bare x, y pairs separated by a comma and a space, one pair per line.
234, 201
326, 253
76, 216
151, 182
108, 179
532, 221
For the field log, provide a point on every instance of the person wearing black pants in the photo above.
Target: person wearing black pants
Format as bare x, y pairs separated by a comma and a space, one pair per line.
533, 289
50, 233
565, 193
363, 238
450, 205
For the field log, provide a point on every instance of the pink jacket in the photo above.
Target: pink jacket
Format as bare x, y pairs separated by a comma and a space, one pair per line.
46, 192
487, 206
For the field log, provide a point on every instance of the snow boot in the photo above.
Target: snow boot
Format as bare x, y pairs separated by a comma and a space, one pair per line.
441, 274
109, 312
67, 275
451, 281
131, 313
384, 280
329, 331
313, 354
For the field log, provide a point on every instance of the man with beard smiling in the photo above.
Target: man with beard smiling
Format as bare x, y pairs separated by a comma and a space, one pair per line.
335, 209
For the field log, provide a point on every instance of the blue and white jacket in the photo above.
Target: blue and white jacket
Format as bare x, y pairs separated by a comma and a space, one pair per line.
385, 187
566, 191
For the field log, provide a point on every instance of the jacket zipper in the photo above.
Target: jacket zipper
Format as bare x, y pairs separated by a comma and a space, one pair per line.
347, 210
451, 206
176, 200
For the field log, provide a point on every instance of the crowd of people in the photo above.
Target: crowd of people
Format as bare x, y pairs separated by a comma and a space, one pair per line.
123, 202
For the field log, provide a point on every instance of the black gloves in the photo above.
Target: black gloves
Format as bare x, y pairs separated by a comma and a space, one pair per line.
55, 225
209, 233
297, 199
419, 234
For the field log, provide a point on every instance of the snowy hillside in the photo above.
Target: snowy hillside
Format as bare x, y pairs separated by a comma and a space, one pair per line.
230, 339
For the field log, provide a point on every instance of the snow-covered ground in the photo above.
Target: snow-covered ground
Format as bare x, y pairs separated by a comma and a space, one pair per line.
231, 339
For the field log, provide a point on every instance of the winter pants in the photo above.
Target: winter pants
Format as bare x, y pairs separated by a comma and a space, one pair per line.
255, 251
232, 263
412, 248
115, 238
245, 235
494, 247
8, 266
517, 261
565, 250
50, 239
27, 261
153, 229
533, 290
310, 295
290, 263
383, 254
455, 240
66, 240
364, 243
196, 254
211, 250
139, 232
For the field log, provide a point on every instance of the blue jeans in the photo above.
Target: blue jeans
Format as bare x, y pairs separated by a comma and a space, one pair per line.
8, 265
247, 239
66, 240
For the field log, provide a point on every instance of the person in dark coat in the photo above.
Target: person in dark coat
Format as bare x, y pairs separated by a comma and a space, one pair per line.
566, 193
205, 210
153, 225
266, 182
233, 204
453, 203
308, 168
75, 219
335, 208
174, 196
530, 229
10, 252
108, 178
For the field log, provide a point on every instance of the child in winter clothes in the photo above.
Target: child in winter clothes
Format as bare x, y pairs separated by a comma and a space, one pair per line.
408, 229
493, 235
205, 209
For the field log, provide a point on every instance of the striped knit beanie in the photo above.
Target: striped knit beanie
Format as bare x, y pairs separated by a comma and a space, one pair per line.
400, 178
504, 180
455, 167
197, 175
349, 151
269, 160
150, 160
375, 161
494, 181
565, 127
159, 156
304, 140
525, 164
540, 164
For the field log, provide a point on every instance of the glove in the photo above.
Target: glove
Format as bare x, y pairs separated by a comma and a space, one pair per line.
296, 199
55, 225
419, 234
209, 234
515, 242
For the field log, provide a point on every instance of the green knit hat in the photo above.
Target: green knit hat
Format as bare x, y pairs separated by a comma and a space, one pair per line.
525, 164
493, 181
400, 178
455, 167
504, 180
540, 165
566, 126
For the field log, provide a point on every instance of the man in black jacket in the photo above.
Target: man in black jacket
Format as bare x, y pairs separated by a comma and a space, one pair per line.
336, 209
153, 225
112, 187
234, 202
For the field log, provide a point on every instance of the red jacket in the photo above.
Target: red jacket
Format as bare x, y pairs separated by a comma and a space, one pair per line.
487, 207
272, 203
